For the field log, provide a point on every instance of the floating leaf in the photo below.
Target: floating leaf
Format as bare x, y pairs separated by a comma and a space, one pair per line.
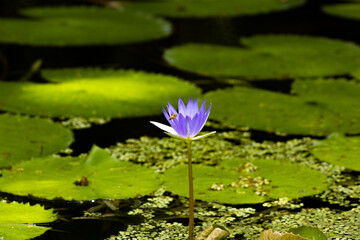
97, 176
75, 26
211, 8
22, 138
269, 111
309, 233
16, 220
338, 97
95, 93
356, 74
345, 10
268, 57
240, 181
320, 107
339, 150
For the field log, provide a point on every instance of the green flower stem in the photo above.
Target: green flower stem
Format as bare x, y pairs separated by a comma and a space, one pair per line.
191, 194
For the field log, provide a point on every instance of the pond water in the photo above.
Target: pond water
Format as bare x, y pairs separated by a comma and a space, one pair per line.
333, 205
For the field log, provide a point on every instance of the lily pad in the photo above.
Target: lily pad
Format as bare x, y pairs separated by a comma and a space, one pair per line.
269, 111
268, 57
76, 26
17, 220
337, 96
97, 176
240, 181
356, 74
309, 233
345, 10
210, 8
339, 150
320, 107
22, 138
95, 93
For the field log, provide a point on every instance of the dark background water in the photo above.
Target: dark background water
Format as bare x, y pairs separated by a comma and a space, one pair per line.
15, 61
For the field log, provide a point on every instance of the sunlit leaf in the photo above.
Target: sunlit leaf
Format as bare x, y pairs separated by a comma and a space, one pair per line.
97, 176
95, 93
17, 220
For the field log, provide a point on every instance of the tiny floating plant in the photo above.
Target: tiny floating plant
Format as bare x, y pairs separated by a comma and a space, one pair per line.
185, 124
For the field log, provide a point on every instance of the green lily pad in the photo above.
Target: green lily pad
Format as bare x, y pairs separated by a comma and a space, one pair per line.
17, 220
356, 74
269, 111
339, 150
309, 232
268, 57
97, 176
210, 8
320, 107
337, 96
95, 93
345, 10
76, 26
22, 138
240, 181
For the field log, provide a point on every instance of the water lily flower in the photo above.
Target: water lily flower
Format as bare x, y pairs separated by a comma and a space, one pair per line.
187, 122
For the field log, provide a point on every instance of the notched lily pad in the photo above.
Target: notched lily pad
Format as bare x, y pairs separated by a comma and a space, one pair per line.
97, 176
210, 8
17, 220
339, 150
76, 26
241, 181
95, 93
345, 10
268, 57
22, 138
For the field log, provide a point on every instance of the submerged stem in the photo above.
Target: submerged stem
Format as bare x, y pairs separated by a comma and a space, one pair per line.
191, 194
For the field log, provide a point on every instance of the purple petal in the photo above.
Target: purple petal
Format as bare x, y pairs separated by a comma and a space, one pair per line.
205, 117
194, 125
202, 109
181, 126
182, 108
188, 122
171, 109
193, 108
